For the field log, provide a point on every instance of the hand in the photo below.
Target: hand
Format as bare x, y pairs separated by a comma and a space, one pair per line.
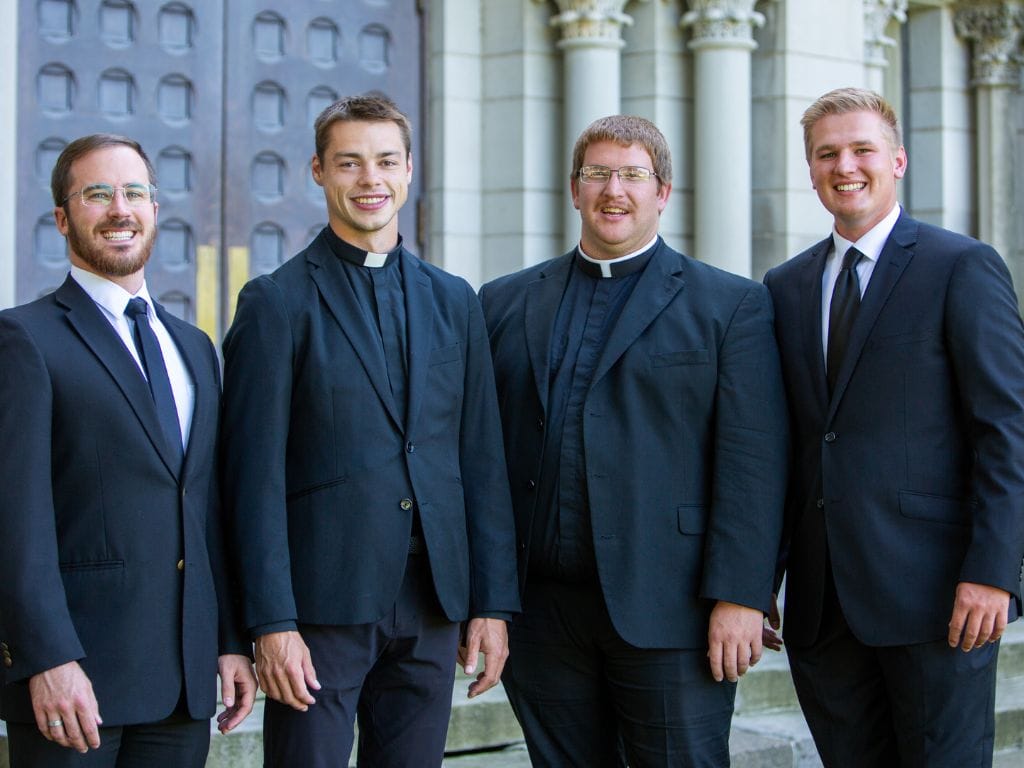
490, 637
285, 669
734, 640
770, 637
237, 690
64, 693
979, 615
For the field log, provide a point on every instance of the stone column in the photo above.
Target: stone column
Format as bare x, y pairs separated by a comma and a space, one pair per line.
722, 42
877, 15
590, 44
995, 31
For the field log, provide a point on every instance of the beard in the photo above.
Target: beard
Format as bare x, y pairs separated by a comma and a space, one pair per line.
103, 261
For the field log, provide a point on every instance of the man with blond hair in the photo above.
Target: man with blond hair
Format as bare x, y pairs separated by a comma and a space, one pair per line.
903, 355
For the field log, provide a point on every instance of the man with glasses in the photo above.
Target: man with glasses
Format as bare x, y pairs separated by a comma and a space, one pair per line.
114, 599
645, 435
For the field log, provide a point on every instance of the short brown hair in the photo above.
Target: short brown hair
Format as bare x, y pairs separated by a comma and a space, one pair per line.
625, 130
844, 100
371, 108
83, 146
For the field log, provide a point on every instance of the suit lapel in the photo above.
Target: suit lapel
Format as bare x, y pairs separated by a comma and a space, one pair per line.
810, 315
419, 307
658, 284
543, 297
892, 261
341, 300
95, 331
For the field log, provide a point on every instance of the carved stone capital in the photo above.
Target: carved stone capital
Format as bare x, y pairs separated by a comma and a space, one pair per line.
591, 22
877, 15
995, 29
722, 22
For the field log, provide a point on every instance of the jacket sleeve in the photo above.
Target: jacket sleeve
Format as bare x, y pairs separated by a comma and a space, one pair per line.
35, 623
489, 522
258, 364
985, 339
750, 459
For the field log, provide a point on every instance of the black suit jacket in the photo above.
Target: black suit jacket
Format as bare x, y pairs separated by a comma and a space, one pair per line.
319, 471
95, 517
684, 432
917, 461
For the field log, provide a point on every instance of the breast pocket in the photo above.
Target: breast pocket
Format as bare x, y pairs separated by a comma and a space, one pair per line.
682, 357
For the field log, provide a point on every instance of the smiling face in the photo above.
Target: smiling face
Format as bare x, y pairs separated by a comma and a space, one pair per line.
365, 174
113, 241
854, 167
618, 218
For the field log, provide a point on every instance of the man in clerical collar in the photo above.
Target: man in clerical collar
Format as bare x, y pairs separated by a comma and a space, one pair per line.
645, 433
364, 472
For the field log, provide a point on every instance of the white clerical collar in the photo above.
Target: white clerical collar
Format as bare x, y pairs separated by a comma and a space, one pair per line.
606, 268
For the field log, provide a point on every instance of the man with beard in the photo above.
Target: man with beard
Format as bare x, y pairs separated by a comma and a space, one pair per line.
114, 601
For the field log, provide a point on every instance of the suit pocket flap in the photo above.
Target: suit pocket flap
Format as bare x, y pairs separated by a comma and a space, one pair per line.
692, 518
927, 506
446, 354
682, 357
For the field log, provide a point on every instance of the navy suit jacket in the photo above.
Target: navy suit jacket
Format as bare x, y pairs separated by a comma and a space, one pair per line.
319, 471
96, 516
917, 460
684, 432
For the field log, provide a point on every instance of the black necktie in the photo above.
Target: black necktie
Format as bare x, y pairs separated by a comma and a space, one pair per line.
391, 316
841, 314
156, 372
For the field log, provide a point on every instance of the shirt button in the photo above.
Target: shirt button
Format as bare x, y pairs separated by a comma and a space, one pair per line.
830, 437
540, 423
530, 484
820, 503
410, 447
181, 565
405, 504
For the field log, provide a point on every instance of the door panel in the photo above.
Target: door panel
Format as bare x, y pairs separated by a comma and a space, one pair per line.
222, 96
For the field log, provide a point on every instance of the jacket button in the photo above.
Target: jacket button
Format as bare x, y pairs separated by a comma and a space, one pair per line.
405, 504
820, 503
8, 662
830, 437
409, 447
530, 484
4, 647
181, 565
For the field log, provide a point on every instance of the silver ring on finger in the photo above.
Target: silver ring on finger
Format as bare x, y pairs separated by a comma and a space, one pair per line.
58, 723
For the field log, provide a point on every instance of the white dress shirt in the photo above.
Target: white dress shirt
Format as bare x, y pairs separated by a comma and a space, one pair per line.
871, 245
112, 299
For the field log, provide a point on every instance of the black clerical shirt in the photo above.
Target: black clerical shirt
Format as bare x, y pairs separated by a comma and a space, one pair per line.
562, 547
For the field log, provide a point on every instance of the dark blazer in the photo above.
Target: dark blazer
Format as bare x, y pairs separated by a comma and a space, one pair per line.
684, 434
320, 474
917, 461
95, 517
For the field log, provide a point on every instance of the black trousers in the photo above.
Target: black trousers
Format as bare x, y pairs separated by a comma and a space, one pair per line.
395, 676
177, 742
911, 706
587, 699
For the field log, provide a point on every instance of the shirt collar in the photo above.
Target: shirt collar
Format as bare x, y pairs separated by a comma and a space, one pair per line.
871, 242
358, 256
618, 267
108, 294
